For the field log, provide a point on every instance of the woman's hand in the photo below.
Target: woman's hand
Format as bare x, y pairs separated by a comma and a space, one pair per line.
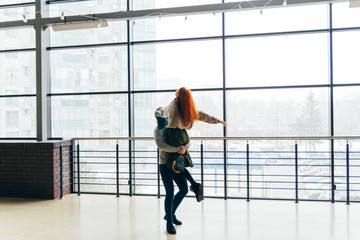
182, 150
223, 123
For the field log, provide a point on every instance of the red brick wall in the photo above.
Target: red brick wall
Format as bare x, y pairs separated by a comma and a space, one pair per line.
32, 169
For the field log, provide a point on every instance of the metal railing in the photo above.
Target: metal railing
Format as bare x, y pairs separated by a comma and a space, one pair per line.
286, 168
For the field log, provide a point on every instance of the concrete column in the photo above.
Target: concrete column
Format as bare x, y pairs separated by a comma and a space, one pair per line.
42, 73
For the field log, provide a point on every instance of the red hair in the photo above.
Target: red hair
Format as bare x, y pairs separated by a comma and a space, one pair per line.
186, 105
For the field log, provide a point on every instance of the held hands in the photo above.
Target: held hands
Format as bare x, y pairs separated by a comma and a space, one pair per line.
182, 150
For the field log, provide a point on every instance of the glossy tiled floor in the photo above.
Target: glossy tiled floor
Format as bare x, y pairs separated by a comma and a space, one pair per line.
133, 218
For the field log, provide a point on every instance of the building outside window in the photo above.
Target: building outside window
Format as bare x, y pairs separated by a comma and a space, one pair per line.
13, 55
12, 119
103, 59
104, 118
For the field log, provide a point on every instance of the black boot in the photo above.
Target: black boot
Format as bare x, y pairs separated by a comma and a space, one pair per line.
175, 220
198, 189
170, 228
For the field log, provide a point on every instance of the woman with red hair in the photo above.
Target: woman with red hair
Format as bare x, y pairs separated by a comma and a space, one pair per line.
181, 114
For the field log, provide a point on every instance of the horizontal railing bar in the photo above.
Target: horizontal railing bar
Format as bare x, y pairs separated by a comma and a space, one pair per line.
114, 172
102, 184
209, 151
280, 182
210, 180
106, 163
300, 189
99, 178
233, 138
122, 163
124, 178
154, 158
264, 165
100, 151
232, 164
230, 174
217, 197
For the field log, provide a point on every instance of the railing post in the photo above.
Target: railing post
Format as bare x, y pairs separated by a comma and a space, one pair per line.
225, 171
72, 164
130, 169
332, 158
347, 174
61, 173
78, 167
117, 169
296, 174
247, 172
202, 162
158, 173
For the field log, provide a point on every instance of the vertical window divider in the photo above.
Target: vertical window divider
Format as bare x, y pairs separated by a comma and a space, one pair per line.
130, 105
224, 102
331, 75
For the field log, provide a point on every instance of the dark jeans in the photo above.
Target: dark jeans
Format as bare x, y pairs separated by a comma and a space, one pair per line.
172, 203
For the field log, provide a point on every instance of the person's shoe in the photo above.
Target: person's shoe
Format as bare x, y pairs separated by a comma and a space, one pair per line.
170, 228
198, 189
175, 220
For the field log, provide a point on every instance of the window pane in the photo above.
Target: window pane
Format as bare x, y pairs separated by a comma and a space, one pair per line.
177, 27
89, 69
17, 38
347, 111
17, 71
346, 57
173, 65
210, 102
144, 108
115, 32
89, 116
151, 4
277, 19
283, 112
13, 14
86, 7
18, 117
280, 60
344, 16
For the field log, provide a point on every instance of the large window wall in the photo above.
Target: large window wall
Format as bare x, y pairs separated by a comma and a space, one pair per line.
269, 73
17, 74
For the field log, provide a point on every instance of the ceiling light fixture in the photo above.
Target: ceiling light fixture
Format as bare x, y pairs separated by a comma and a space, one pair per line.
80, 25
